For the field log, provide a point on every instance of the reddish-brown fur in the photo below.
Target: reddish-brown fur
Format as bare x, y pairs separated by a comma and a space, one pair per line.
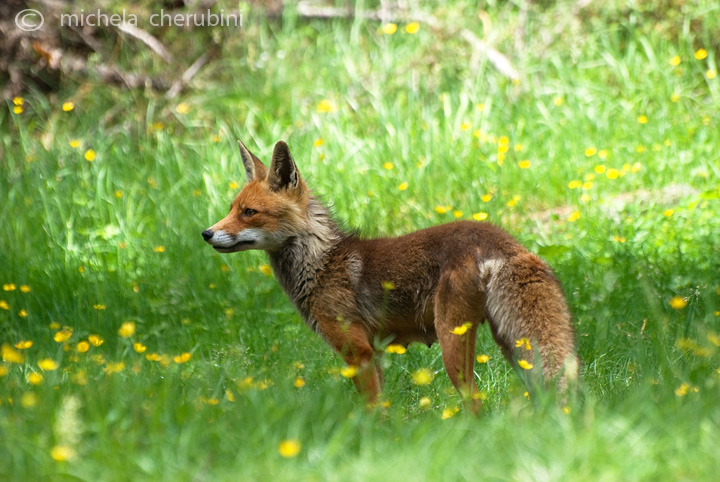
415, 288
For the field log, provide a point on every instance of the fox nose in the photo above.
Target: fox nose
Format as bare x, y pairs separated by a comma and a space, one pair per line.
207, 234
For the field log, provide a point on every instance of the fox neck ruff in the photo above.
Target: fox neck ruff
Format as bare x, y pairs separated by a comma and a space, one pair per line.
304, 254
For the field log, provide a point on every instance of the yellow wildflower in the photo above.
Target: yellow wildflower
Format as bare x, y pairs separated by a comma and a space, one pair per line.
449, 412
711, 74
388, 285
457, 214
575, 184
25, 288
289, 448
403, 186
600, 168
96, 340
22, 313
483, 358
462, 329
63, 335
525, 365
159, 249
389, 28
4, 305
523, 342
348, 371
675, 61
139, 347
425, 403
9, 287
299, 382
29, 400
590, 151
61, 453
481, 216
10, 355
90, 155
23, 344
678, 302
127, 329
48, 364
524, 164
668, 212
422, 376
412, 28
83, 347
441, 209
701, 54
318, 142
612, 173
68, 106
182, 108
486, 198
325, 106
642, 119
397, 349
388, 166
34, 378
182, 358
114, 367
574, 216
265, 269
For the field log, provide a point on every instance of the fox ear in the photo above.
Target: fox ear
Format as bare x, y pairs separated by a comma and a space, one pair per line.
254, 168
283, 171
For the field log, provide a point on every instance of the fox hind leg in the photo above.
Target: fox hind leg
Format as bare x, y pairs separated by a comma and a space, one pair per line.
458, 310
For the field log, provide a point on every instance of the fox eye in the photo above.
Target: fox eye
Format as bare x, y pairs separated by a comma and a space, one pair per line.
249, 212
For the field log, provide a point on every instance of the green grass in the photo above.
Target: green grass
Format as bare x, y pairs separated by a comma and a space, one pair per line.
83, 234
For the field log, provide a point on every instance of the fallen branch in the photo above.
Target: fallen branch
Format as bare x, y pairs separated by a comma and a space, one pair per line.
69, 63
187, 76
146, 38
496, 58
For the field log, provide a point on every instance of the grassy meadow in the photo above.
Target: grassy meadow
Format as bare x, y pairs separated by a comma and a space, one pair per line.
132, 351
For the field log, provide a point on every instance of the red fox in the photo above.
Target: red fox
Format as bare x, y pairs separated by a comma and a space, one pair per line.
436, 284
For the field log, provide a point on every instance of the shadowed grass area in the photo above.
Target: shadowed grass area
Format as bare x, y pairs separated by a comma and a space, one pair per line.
603, 159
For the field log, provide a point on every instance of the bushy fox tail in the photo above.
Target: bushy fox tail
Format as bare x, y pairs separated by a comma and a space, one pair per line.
529, 317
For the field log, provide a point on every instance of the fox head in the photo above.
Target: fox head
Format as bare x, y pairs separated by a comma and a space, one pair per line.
268, 210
